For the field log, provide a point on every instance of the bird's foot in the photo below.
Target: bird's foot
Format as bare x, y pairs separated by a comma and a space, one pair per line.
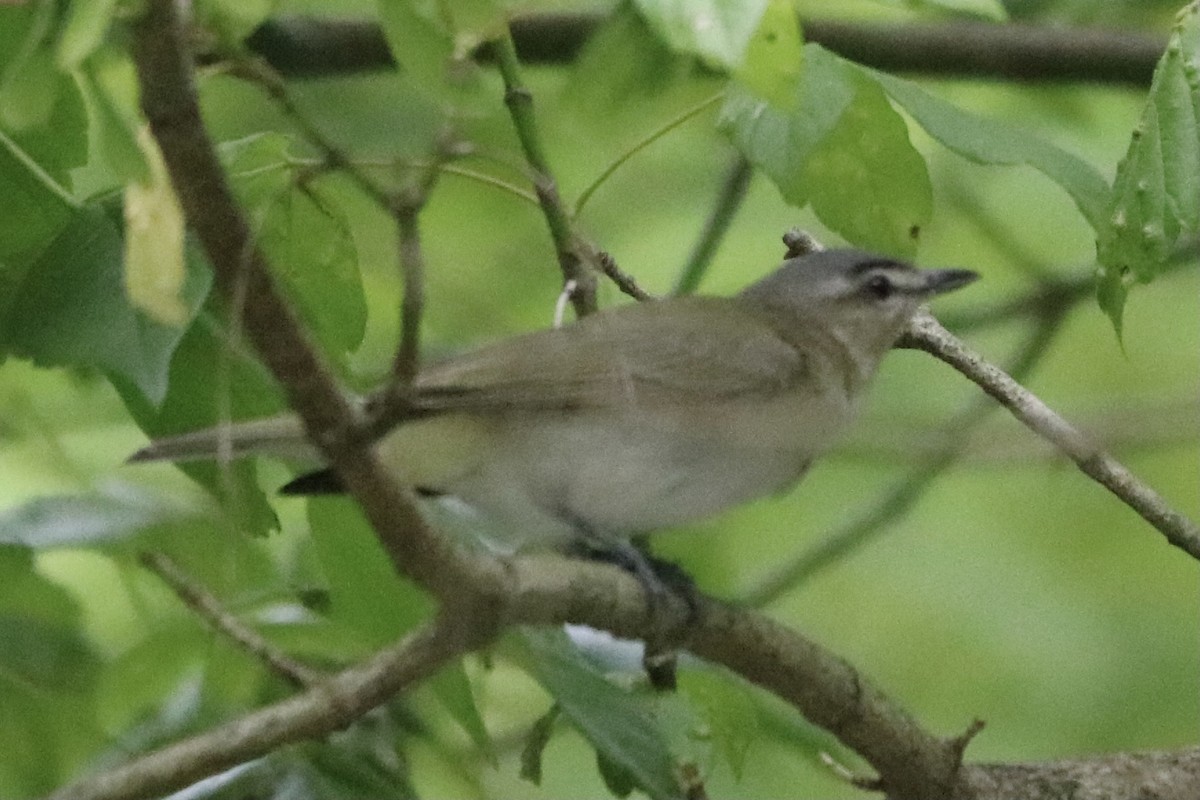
666, 587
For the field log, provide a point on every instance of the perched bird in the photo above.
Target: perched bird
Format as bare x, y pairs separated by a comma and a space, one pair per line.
639, 417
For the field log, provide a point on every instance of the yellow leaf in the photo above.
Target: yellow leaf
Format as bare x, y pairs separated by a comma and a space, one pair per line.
154, 270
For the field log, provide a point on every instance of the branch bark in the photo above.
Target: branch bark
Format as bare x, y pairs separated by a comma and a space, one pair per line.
926, 333
912, 763
304, 47
169, 101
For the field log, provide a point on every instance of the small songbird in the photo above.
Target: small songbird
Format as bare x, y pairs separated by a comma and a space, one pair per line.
639, 417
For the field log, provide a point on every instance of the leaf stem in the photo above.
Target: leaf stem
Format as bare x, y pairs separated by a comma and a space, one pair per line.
729, 200
695, 110
36, 170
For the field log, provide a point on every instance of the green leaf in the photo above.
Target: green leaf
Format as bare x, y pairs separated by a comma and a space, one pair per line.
991, 141
232, 20
210, 380
454, 691
774, 57
115, 131
421, 46
82, 520
51, 658
306, 238
1155, 197
615, 722
841, 147
781, 142
365, 592
85, 27
31, 214
728, 708
865, 179
154, 236
622, 72
42, 734
25, 592
717, 31
29, 90
361, 762
618, 779
535, 746
70, 308
61, 144
151, 673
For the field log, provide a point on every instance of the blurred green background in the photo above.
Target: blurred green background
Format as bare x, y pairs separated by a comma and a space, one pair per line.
1015, 590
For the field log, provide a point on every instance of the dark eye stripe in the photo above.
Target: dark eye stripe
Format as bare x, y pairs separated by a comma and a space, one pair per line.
879, 263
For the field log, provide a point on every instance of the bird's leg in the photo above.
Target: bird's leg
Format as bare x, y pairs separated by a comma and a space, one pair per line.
661, 581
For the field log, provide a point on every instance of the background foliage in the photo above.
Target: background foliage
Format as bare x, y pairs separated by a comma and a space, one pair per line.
1013, 590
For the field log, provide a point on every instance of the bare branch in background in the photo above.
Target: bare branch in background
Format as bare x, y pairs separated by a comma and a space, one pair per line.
729, 200
309, 47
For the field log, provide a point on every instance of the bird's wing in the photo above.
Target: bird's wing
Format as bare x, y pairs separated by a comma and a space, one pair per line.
704, 349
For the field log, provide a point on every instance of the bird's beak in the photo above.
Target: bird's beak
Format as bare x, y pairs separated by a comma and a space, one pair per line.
940, 281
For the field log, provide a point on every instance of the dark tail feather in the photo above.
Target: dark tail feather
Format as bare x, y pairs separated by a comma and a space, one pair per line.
324, 481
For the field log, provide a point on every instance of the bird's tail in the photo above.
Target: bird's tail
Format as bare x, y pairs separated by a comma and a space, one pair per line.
282, 437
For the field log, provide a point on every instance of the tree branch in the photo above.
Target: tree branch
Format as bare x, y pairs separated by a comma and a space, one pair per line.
912, 763
926, 333
729, 201
304, 47
333, 424
897, 500
478, 594
209, 609
572, 253
327, 707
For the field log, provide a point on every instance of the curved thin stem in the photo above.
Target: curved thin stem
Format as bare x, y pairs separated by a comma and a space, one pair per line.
695, 110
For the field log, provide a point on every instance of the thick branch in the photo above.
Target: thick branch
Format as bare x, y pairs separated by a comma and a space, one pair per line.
548, 590
169, 102
926, 333
1171, 775
327, 707
306, 47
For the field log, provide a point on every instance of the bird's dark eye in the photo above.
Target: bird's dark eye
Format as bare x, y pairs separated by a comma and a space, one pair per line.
879, 286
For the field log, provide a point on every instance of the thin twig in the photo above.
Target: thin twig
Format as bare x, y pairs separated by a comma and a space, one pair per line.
904, 494
925, 333
800, 243
260, 73
412, 271
729, 201
653, 137
624, 281
406, 208
209, 608
571, 251
489, 180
